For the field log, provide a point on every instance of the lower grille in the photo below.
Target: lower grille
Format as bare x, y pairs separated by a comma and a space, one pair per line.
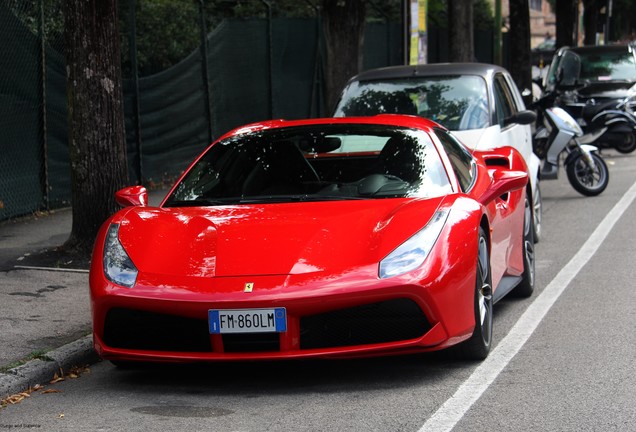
134, 329
388, 321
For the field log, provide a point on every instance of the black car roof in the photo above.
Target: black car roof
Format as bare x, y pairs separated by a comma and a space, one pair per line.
392, 72
592, 49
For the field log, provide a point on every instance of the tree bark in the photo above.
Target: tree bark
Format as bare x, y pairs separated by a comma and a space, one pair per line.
460, 27
97, 143
343, 27
566, 14
520, 56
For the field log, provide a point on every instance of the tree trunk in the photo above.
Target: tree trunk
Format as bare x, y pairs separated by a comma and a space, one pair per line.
566, 14
343, 27
97, 143
520, 57
460, 25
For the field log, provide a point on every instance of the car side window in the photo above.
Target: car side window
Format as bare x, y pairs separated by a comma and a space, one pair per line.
460, 158
504, 100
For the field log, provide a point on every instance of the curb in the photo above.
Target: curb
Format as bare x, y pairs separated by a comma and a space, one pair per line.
39, 371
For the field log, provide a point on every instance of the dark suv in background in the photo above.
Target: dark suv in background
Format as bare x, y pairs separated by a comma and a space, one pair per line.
597, 86
602, 72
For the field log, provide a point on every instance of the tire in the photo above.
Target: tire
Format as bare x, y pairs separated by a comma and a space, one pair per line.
628, 145
537, 214
478, 346
583, 179
526, 286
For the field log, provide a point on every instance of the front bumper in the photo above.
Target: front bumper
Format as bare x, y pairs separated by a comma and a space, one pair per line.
360, 319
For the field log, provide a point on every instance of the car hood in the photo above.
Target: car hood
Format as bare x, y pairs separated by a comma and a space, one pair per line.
606, 89
271, 239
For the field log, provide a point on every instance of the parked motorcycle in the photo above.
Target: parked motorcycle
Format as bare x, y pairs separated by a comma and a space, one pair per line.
607, 124
586, 170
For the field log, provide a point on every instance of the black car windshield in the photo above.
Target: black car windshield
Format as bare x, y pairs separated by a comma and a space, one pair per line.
315, 163
577, 68
458, 102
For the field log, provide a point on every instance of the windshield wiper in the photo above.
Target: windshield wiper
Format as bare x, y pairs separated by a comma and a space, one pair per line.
202, 202
265, 199
295, 198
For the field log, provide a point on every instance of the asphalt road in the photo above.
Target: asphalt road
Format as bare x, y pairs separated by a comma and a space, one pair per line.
564, 359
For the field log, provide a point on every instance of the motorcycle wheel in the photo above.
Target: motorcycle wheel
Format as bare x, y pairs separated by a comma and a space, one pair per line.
628, 145
587, 181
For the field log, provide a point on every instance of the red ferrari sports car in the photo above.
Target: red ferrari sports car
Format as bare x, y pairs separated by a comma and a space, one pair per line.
316, 238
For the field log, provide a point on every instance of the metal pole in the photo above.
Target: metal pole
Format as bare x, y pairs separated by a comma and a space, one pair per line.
497, 36
406, 27
135, 71
315, 101
608, 16
270, 74
205, 68
44, 174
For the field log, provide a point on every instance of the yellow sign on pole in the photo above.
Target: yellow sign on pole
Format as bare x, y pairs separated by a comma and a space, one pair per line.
419, 36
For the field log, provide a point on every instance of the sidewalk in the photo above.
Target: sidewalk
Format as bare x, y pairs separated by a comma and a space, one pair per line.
44, 312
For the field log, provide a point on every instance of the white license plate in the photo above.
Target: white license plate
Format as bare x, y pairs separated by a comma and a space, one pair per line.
247, 320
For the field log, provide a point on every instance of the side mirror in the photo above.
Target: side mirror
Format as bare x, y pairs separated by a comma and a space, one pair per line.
504, 181
132, 196
522, 117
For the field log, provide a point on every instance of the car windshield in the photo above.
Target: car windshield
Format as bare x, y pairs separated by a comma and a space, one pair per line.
597, 66
457, 102
314, 163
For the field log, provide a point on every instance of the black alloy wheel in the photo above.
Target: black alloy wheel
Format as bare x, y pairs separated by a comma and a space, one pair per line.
478, 346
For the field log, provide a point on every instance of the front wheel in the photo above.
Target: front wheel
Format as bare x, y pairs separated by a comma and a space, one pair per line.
628, 145
478, 346
526, 286
537, 212
585, 179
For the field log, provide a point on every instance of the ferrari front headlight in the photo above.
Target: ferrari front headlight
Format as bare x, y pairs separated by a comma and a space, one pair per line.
412, 253
118, 267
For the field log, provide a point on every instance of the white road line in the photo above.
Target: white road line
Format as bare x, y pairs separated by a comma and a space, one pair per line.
449, 414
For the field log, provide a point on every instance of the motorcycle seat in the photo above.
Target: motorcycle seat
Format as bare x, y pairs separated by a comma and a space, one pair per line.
590, 110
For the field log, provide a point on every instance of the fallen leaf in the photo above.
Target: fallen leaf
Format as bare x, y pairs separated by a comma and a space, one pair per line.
56, 379
78, 370
51, 391
61, 415
19, 397
15, 399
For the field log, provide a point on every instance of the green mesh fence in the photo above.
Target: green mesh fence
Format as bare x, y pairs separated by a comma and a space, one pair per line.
34, 167
256, 69
174, 123
20, 98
